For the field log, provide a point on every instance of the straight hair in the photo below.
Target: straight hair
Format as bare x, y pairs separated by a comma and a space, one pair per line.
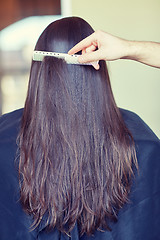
77, 157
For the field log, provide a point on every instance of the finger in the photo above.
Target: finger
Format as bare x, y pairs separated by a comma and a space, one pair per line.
90, 48
90, 57
96, 65
82, 44
83, 51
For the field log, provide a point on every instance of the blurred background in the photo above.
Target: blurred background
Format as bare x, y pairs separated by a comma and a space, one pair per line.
136, 86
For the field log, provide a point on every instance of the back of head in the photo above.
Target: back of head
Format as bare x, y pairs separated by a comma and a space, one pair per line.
76, 154
63, 34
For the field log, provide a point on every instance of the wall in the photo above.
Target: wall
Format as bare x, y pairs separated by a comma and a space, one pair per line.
136, 86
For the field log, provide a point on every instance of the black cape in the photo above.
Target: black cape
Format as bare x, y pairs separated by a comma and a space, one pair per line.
137, 220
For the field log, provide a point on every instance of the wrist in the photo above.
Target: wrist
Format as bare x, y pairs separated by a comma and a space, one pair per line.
132, 50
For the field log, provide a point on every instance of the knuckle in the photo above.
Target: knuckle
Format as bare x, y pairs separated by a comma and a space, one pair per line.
99, 33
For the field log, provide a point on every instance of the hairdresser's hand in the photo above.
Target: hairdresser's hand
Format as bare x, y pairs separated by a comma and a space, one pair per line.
104, 46
100, 46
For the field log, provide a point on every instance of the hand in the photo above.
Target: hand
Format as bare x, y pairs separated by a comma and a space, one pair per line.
104, 46
101, 46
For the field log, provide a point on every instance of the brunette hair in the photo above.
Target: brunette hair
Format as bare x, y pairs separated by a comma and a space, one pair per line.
77, 157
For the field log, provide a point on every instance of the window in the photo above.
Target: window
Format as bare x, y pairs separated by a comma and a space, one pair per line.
17, 42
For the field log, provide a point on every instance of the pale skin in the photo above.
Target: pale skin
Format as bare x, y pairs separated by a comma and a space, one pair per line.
104, 46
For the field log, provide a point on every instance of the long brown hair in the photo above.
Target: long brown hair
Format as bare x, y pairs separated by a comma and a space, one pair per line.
77, 157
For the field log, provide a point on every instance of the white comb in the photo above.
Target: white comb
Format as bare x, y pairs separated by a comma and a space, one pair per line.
70, 59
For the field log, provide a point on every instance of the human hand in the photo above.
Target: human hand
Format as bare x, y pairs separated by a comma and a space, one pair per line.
101, 46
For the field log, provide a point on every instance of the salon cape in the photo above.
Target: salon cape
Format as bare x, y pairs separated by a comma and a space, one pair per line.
137, 220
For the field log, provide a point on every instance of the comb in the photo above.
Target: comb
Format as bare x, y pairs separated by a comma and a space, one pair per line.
69, 59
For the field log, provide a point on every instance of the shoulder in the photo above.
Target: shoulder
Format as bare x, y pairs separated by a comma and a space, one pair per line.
146, 183
141, 215
148, 155
9, 128
9, 124
139, 129
147, 145
14, 223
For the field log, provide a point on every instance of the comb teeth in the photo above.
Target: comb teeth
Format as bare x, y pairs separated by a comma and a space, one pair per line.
70, 59
39, 55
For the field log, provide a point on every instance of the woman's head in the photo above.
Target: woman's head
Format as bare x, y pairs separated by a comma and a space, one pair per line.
76, 154
63, 34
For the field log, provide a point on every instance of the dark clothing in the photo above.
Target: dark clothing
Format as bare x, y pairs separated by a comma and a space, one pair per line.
137, 220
